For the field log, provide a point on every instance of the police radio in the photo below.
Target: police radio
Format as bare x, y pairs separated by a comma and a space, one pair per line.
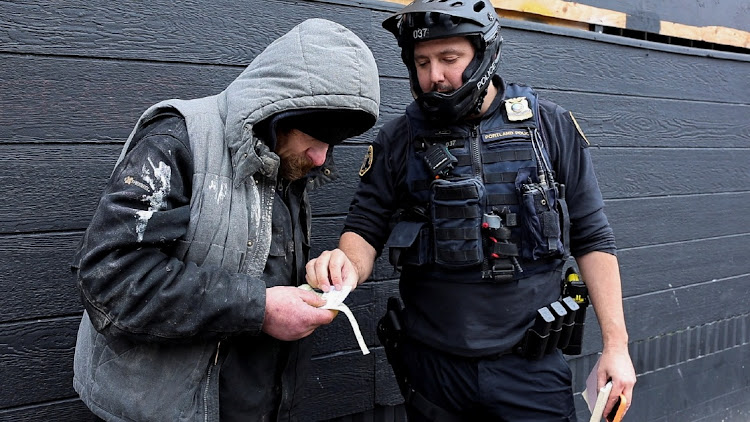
439, 160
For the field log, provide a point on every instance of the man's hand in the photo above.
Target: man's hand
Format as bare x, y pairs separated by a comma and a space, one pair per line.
615, 364
293, 313
331, 268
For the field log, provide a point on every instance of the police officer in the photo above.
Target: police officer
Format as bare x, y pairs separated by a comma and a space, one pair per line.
480, 192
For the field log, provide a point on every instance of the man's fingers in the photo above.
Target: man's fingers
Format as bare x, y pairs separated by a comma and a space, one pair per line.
311, 298
317, 272
331, 268
337, 260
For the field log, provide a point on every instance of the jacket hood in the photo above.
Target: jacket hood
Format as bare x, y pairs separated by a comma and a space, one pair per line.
318, 64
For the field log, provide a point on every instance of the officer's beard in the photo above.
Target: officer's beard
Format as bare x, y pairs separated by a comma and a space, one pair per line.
442, 88
295, 167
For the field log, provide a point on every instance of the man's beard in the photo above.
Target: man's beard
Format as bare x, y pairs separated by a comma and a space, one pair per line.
442, 88
295, 167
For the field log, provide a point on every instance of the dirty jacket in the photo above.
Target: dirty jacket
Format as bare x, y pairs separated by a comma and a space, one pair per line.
158, 307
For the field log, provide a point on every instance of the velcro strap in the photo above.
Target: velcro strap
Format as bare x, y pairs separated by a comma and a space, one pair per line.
496, 157
456, 212
505, 249
507, 177
457, 193
511, 155
460, 233
458, 256
550, 224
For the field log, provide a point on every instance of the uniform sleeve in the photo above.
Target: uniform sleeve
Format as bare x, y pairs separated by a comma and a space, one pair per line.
130, 282
381, 178
570, 155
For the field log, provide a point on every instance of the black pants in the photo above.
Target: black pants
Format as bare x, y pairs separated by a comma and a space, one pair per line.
509, 388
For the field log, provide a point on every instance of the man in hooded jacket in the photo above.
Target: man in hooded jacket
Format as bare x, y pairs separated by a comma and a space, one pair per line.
189, 267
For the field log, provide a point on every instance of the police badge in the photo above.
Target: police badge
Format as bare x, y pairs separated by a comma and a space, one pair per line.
517, 109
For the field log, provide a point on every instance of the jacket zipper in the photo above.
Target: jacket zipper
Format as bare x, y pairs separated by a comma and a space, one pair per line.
208, 382
476, 159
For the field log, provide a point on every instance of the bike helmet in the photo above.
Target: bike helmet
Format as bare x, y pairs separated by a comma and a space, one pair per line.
424, 20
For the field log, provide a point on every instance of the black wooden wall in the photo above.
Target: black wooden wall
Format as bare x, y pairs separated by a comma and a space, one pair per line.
671, 139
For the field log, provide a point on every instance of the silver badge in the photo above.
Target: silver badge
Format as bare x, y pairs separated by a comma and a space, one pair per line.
518, 109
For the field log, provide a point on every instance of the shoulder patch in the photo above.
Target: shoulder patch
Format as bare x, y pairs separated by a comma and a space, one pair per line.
366, 162
578, 128
518, 109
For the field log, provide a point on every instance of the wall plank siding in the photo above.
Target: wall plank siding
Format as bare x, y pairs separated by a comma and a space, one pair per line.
670, 140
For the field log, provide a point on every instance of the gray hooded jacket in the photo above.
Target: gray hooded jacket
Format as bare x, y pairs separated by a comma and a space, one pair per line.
317, 65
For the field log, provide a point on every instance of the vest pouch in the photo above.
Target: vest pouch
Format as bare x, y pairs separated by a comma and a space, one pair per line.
539, 220
409, 244
456, 211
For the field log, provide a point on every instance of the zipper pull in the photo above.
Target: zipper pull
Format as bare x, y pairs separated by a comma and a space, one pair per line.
216, 358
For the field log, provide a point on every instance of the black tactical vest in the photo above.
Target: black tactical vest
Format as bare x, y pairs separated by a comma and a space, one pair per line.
482, 196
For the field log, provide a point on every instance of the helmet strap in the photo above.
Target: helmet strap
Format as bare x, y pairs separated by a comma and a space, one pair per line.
480, 101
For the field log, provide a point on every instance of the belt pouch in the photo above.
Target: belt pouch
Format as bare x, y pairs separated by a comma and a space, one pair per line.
571, 307
535, 341
559, 312
406, 244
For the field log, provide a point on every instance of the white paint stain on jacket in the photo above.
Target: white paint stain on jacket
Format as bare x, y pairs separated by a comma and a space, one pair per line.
157, 178
221, 191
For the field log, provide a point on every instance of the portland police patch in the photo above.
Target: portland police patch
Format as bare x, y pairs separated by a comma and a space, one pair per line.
367, 162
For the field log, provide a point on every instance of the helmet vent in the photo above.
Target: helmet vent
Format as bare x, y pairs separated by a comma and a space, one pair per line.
479, 6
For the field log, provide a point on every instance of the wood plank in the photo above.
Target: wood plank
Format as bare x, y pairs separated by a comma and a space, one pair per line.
209, 33
566, 10
649, 172
536, 59
668, 311
710, 34
45, 99
58, 99
629, 121
55, 199
663, 220
729, 13
673, 265
47, 290
34, 351
66, 410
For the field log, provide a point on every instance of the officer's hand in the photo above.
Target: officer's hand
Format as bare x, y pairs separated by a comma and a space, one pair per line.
615, 364
331, 268
293, 313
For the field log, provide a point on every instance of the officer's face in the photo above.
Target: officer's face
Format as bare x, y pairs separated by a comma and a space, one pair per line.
299, 153
440, 63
